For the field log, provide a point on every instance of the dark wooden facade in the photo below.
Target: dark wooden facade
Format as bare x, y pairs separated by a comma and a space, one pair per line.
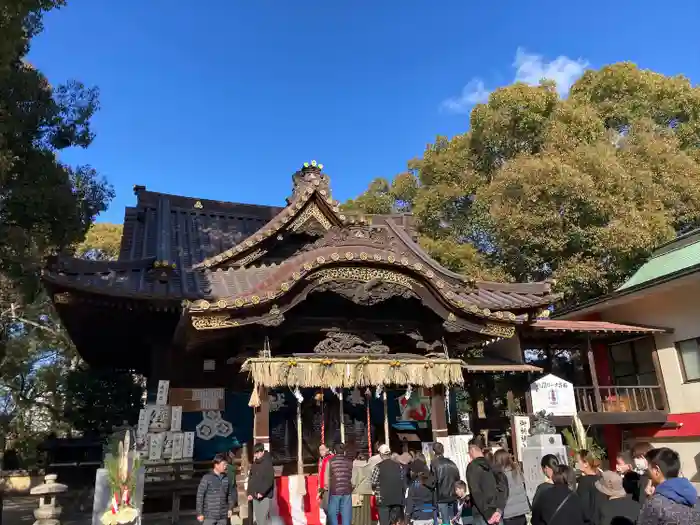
206, 278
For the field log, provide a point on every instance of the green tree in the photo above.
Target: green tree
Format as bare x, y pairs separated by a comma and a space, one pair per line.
580, 190
100, 400
37, 120
36, 353
102, 242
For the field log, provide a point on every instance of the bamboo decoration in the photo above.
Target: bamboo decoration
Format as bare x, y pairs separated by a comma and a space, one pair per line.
386, 418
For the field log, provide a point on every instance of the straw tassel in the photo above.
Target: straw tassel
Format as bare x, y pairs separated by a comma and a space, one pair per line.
254, 401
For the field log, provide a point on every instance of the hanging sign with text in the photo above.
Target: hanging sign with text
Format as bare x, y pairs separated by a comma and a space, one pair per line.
553, 395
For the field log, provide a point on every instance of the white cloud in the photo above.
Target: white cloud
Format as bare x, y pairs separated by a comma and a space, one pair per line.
474, 92
529, 68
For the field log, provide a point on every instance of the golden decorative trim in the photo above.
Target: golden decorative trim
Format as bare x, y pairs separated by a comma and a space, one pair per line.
498, 330
198, 205
213, 322
363, 275
311, 211
63, 298
251, 257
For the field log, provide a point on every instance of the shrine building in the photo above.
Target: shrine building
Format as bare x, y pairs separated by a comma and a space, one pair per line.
300, 324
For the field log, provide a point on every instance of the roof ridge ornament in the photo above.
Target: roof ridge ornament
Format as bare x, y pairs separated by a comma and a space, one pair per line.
309, 178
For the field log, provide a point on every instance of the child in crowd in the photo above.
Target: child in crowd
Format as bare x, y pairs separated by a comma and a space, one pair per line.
464, 512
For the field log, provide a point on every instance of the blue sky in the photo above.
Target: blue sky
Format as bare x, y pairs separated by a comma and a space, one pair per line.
226, 99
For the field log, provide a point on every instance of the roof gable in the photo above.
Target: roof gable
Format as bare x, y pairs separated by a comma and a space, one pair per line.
681, 253
310, 208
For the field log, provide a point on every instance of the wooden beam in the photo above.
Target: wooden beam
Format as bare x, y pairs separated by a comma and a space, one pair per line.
261, 419
510, 400
659, 375
594, 375
438, 417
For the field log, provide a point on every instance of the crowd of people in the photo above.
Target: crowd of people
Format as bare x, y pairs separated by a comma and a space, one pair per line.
646, 488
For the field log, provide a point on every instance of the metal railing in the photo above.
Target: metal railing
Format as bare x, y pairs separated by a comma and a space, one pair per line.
619, 399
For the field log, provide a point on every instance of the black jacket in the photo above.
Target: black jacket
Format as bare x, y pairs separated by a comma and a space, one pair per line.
619, 511
591, 497
420, 503
215, 496
571, 512
446, 475
389, 483
488, 487
262, 477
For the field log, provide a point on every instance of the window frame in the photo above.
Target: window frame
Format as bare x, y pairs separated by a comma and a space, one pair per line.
633, 361
684, 374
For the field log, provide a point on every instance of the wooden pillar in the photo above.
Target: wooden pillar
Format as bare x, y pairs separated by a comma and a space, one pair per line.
159, 370
437, 412
261, 419
659, 377
594, 375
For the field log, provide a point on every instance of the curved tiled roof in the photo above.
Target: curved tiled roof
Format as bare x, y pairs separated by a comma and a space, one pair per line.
251, 287
172, 248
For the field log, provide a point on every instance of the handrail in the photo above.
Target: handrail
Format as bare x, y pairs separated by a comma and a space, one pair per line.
619, 399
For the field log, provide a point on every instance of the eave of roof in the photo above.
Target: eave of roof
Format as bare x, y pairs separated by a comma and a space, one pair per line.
665, 262
561, 325
594, 305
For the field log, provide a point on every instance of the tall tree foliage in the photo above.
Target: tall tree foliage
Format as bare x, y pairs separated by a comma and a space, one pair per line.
37, 121
46, 206
579, 189
44, 386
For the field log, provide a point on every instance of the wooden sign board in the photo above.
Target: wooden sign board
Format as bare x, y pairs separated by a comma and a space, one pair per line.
198, 399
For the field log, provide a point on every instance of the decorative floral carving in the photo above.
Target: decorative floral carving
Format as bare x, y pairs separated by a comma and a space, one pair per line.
499, 330
366, 293
353, 236
212, 322
363, 274
337, 342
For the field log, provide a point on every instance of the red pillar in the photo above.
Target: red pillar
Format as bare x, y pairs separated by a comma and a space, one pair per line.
612, 434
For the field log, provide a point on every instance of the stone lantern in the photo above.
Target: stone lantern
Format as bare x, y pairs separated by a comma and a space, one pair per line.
48, 512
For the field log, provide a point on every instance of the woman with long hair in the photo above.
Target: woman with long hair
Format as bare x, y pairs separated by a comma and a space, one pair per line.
548, 464
562, 506
517, 505
591, 497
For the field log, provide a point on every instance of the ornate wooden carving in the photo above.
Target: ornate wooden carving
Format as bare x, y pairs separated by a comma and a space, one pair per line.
311, 221
422, 344
366, 293
451, 325
273, 319
356, 235
337, 342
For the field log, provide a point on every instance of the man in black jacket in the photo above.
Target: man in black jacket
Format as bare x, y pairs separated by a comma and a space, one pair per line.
488, 487
216, 496
261, 483
446, 475
388, 485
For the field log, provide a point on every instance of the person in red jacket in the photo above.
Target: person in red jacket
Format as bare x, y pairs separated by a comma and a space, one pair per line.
323, 473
